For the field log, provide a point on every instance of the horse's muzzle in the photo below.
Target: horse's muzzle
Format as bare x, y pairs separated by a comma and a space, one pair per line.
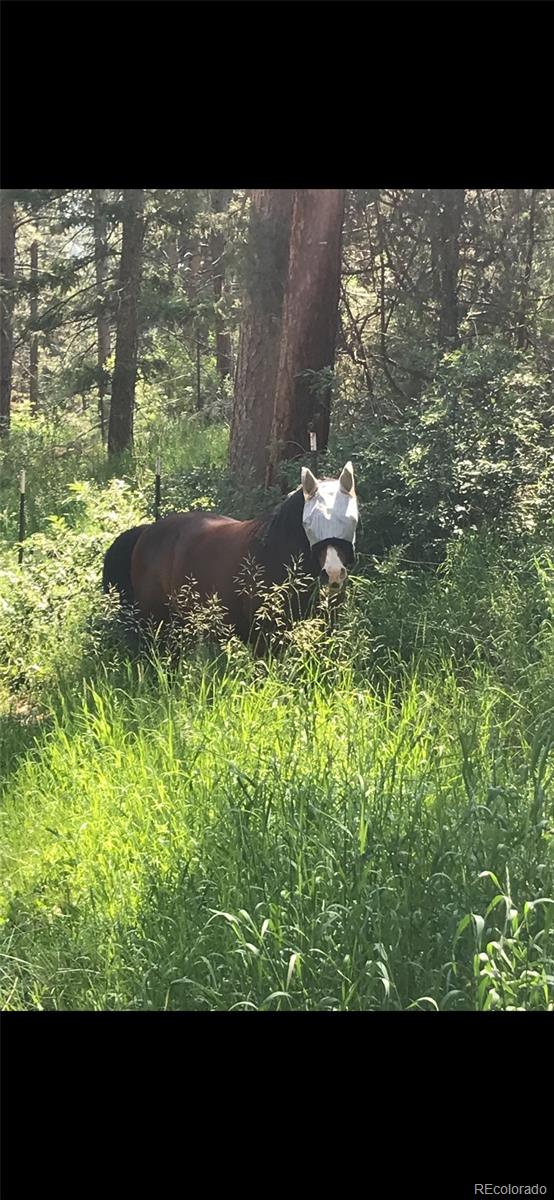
332, 557
333, 584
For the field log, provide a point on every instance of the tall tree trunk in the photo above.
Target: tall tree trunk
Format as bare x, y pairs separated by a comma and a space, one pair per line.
199, 401
172, 251
260, 335
120, 433
310, 322
450, 219
219, 201
33, 348
172, 255
7, 263
523, 324
102, 322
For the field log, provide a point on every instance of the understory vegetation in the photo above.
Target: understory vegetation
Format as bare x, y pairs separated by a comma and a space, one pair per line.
362, 820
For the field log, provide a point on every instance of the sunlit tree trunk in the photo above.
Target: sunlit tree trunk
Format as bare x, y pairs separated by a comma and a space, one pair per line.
219, 202
7, 262
102, 321
523, 323
260, 334
33, 347
120, 433
310, 323
449, 225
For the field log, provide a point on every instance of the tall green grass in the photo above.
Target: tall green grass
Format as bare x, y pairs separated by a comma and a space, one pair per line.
270, 835
364, 821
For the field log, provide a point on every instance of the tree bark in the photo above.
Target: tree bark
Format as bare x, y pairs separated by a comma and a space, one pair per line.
260, 335
523, 324
450, 219
102, 322
120, 433
310, 321
7, 264
33, 347
199, 400
219, 201
172, 252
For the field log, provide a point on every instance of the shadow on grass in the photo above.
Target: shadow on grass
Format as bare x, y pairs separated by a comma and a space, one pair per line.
115, 643
22, 728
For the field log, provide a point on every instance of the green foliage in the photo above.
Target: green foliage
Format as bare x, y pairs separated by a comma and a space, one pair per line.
476, 449
177, 306
46, 603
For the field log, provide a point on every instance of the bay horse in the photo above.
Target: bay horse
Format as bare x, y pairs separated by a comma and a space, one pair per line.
314, 526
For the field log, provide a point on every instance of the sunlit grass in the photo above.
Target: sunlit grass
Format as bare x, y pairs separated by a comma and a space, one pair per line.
275, 835
362, 822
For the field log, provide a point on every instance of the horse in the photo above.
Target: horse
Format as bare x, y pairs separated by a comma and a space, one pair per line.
314, 526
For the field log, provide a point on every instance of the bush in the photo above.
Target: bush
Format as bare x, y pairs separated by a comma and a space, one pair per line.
46, 604
476, 449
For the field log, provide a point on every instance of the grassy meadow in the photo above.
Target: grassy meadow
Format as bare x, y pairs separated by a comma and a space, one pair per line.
364, 821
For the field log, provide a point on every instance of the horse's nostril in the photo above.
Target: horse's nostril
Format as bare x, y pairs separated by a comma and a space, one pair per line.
335, 583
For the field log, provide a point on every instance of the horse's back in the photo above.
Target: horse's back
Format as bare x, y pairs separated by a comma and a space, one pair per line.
197, 546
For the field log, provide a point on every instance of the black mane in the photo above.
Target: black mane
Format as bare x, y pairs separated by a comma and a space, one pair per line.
286, 518
281, 537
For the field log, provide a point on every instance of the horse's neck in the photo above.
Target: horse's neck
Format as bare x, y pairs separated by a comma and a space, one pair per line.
276, 553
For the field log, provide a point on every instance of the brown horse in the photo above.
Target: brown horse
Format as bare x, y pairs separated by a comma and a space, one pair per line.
315, 526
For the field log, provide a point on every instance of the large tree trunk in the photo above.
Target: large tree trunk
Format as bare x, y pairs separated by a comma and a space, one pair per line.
101, 252
220, 200
33, 347
7, 262
449, 224
310, 322
260, 335
120, 433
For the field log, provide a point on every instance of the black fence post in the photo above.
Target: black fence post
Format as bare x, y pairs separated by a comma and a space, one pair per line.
157, 492
21, 516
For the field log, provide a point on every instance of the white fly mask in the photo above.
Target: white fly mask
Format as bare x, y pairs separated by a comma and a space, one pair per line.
331, 507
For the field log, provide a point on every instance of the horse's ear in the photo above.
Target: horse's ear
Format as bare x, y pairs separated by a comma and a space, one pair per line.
346, 479
309, 483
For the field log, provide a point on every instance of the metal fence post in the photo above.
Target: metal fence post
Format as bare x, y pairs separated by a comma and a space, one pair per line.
21, 516
157, 492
